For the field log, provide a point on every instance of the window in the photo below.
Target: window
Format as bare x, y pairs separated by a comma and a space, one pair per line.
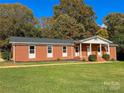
106, 48
32, 49
64, 49
77, 49
49, 49
88, 49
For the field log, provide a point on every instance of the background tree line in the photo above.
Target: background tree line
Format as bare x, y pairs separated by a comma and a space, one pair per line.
72, 19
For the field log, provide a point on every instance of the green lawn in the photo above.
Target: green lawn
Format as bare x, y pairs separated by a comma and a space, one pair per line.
84, 78
11, 63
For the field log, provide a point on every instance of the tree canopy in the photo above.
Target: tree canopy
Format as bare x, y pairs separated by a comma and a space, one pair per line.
103, 33
72, 16
115, 26
65, 27
77, 9
16, 20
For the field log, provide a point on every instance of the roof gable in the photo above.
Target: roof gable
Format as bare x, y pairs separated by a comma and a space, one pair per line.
96, 40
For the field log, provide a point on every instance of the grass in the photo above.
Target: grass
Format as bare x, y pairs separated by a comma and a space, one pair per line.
83, 78
9, 63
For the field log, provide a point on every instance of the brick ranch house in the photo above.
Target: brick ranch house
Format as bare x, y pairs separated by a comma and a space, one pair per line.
44, 49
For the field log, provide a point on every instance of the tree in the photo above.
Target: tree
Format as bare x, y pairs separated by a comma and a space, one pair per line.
80, 11
16, 20
115, 26
65, 27
103, 33
113, 22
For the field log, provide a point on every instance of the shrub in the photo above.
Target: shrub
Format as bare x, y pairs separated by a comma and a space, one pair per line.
5, 55
84, 60
58, 59
92, 58
106, 56
113, 59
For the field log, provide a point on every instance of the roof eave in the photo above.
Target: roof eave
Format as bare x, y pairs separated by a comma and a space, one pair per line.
41, 43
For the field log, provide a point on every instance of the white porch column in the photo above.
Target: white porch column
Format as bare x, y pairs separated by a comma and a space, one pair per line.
90, 49
100, 50
81, 50
108, 52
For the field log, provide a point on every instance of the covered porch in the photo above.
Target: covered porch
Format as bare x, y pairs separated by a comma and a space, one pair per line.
93, 46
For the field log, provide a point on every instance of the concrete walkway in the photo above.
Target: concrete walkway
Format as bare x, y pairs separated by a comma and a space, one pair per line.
54, 64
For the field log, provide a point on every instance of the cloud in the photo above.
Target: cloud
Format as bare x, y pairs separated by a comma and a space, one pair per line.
103, 26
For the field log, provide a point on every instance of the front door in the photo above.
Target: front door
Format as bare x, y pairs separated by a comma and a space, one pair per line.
98, 51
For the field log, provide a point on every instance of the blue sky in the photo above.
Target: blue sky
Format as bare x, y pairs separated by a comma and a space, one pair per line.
44, 8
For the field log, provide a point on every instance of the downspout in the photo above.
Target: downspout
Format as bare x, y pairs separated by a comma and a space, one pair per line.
14, 54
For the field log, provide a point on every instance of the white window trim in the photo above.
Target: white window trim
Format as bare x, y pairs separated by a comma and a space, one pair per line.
88, 51
32, 56
50, 55
65, 54
106, 49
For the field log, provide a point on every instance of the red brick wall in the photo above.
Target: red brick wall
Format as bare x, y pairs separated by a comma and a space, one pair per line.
113, 53
21, 53
41, 53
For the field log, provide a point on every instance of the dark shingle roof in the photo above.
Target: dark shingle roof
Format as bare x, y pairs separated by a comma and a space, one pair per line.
39, 40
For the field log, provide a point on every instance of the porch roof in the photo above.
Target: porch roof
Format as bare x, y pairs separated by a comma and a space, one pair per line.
96, 40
